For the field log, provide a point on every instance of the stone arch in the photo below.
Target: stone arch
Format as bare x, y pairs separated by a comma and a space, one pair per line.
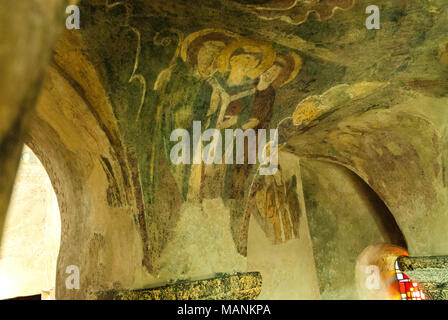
340, 216
98, 193
30, 241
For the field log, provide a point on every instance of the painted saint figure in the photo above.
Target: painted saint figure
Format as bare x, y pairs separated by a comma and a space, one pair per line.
237, 82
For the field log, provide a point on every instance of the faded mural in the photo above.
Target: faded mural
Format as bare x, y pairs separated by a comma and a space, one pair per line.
310, 69
361, 116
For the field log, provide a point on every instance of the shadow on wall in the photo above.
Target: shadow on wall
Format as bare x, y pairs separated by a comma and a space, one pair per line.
345, 216
31, 237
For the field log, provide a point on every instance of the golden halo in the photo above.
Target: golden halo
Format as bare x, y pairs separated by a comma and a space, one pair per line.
268, 53
184, 51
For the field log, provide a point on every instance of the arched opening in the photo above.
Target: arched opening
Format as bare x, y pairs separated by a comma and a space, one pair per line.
31, 236
340, 216
89, 170
344, 216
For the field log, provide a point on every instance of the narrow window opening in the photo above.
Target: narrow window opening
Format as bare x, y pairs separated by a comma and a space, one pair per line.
409, 290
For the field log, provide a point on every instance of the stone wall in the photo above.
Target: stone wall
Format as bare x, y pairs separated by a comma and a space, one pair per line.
363, 132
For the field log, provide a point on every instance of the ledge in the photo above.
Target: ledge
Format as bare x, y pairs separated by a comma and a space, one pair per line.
239, 286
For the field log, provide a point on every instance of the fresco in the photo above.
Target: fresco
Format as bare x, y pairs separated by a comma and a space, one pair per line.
173, 71
360, 114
